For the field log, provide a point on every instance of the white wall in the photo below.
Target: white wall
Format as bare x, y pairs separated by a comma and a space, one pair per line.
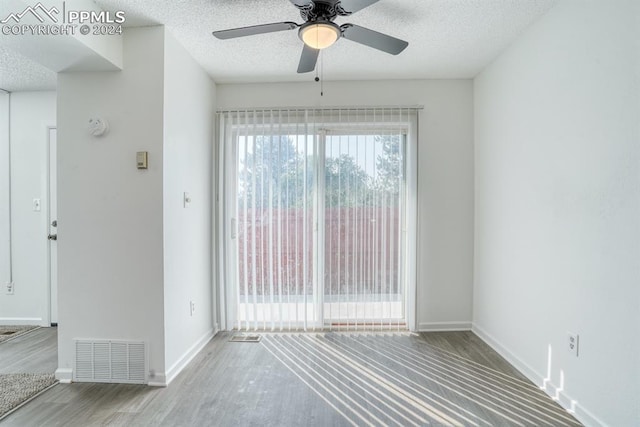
557, 229
188, 141
445, 176
110, 213
4, 193
31, 114
131, 257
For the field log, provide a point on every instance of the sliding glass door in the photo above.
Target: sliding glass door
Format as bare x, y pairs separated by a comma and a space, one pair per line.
363, 218
276, 247
317, 216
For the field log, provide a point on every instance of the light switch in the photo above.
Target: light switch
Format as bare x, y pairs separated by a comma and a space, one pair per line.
36, 205
186, 199
141, 159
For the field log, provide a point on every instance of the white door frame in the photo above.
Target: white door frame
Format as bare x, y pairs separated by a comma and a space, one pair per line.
227, 214
411, 226
52, 213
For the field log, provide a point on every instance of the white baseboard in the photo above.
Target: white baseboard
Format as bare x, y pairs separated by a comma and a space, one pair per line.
158, 380
15, 321
64, 375
188, 356
443, 326
525, 369
582, 414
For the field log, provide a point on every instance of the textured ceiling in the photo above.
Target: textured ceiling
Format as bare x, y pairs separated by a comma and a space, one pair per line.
18, 73
447, 38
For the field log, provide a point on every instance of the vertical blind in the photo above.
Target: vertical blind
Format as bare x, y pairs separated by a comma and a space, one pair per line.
314, 217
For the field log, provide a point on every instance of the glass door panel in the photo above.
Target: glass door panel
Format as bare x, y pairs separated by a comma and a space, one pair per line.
363, 210
275, 232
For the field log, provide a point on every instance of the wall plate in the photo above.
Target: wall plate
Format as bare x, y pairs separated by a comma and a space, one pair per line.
142, 159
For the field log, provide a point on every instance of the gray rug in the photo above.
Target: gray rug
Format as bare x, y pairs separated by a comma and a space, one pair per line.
10, 332
16, 389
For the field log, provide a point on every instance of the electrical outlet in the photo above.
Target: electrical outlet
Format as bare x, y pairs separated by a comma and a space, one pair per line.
10, 288
192, 307
573, 341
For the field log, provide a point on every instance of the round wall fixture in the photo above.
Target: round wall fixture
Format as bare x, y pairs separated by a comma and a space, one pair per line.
98, 126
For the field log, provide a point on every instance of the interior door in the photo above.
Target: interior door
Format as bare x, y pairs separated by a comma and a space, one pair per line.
53, 224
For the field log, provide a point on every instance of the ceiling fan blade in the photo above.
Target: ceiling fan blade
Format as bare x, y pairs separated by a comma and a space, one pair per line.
373, 39
352, 6
256, 29
308, 59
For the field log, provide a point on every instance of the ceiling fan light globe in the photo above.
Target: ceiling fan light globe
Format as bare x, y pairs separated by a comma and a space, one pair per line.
320, 35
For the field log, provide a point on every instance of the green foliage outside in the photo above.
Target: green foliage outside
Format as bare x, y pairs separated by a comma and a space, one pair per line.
275, 174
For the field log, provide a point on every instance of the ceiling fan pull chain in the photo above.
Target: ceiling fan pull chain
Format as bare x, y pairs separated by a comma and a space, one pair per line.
321, 73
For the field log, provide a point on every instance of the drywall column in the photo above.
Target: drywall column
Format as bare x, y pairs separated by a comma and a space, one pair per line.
187, 187
110, 222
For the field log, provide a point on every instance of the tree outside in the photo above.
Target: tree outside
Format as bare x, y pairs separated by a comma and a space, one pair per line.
276, 211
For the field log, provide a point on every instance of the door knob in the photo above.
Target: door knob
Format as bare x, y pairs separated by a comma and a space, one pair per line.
53, 237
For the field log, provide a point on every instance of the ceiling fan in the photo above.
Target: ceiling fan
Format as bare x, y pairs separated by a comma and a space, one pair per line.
319, 31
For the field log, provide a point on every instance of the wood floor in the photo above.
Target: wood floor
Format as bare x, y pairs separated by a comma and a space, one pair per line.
331, 379
35, 352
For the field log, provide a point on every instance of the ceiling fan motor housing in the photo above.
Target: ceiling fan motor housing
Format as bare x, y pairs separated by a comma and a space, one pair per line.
322, 10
